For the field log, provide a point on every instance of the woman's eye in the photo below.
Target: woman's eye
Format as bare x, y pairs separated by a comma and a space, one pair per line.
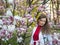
43, 20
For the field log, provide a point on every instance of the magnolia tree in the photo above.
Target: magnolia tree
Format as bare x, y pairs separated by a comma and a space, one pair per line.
19, 17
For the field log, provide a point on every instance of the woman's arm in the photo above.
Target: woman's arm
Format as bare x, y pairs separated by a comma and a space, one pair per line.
41, 40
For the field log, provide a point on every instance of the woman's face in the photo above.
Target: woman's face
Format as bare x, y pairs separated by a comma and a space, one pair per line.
41, 21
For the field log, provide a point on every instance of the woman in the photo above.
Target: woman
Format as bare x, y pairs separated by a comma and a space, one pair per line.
41, 31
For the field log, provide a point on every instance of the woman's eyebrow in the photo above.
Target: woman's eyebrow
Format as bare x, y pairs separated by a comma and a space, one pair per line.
43, 20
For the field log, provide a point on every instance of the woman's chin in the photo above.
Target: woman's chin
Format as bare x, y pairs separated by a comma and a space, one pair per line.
40, 25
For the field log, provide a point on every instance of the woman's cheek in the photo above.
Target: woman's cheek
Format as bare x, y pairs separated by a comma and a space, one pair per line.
42, 23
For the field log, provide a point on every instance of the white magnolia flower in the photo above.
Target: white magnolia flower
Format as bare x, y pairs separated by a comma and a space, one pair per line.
14, 22
55, 36
25, 27
1, 22
10, 1
7, 39
30, 27
30, 20
7, 32
9, 13
21, 18
5, 27
3, 39
17, 17
24, 19
11, 28
9, 44
19, 39
0, 26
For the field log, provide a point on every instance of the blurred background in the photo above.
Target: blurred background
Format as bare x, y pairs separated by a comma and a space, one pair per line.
18, 17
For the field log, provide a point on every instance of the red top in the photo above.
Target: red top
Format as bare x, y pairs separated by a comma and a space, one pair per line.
36, 34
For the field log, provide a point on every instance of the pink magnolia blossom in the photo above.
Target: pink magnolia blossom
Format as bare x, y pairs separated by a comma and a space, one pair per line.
1, 7
29, 9
10, 20
23, 21
28, 16
41, 8
22, 29
4, 21
5, 35
16, 2
9, 36
30, 20
2, 33
18, 30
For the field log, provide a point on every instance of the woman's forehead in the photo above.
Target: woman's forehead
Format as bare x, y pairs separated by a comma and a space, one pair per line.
43, 19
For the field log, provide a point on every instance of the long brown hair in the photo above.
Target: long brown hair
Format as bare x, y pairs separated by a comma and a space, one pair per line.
46, 27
